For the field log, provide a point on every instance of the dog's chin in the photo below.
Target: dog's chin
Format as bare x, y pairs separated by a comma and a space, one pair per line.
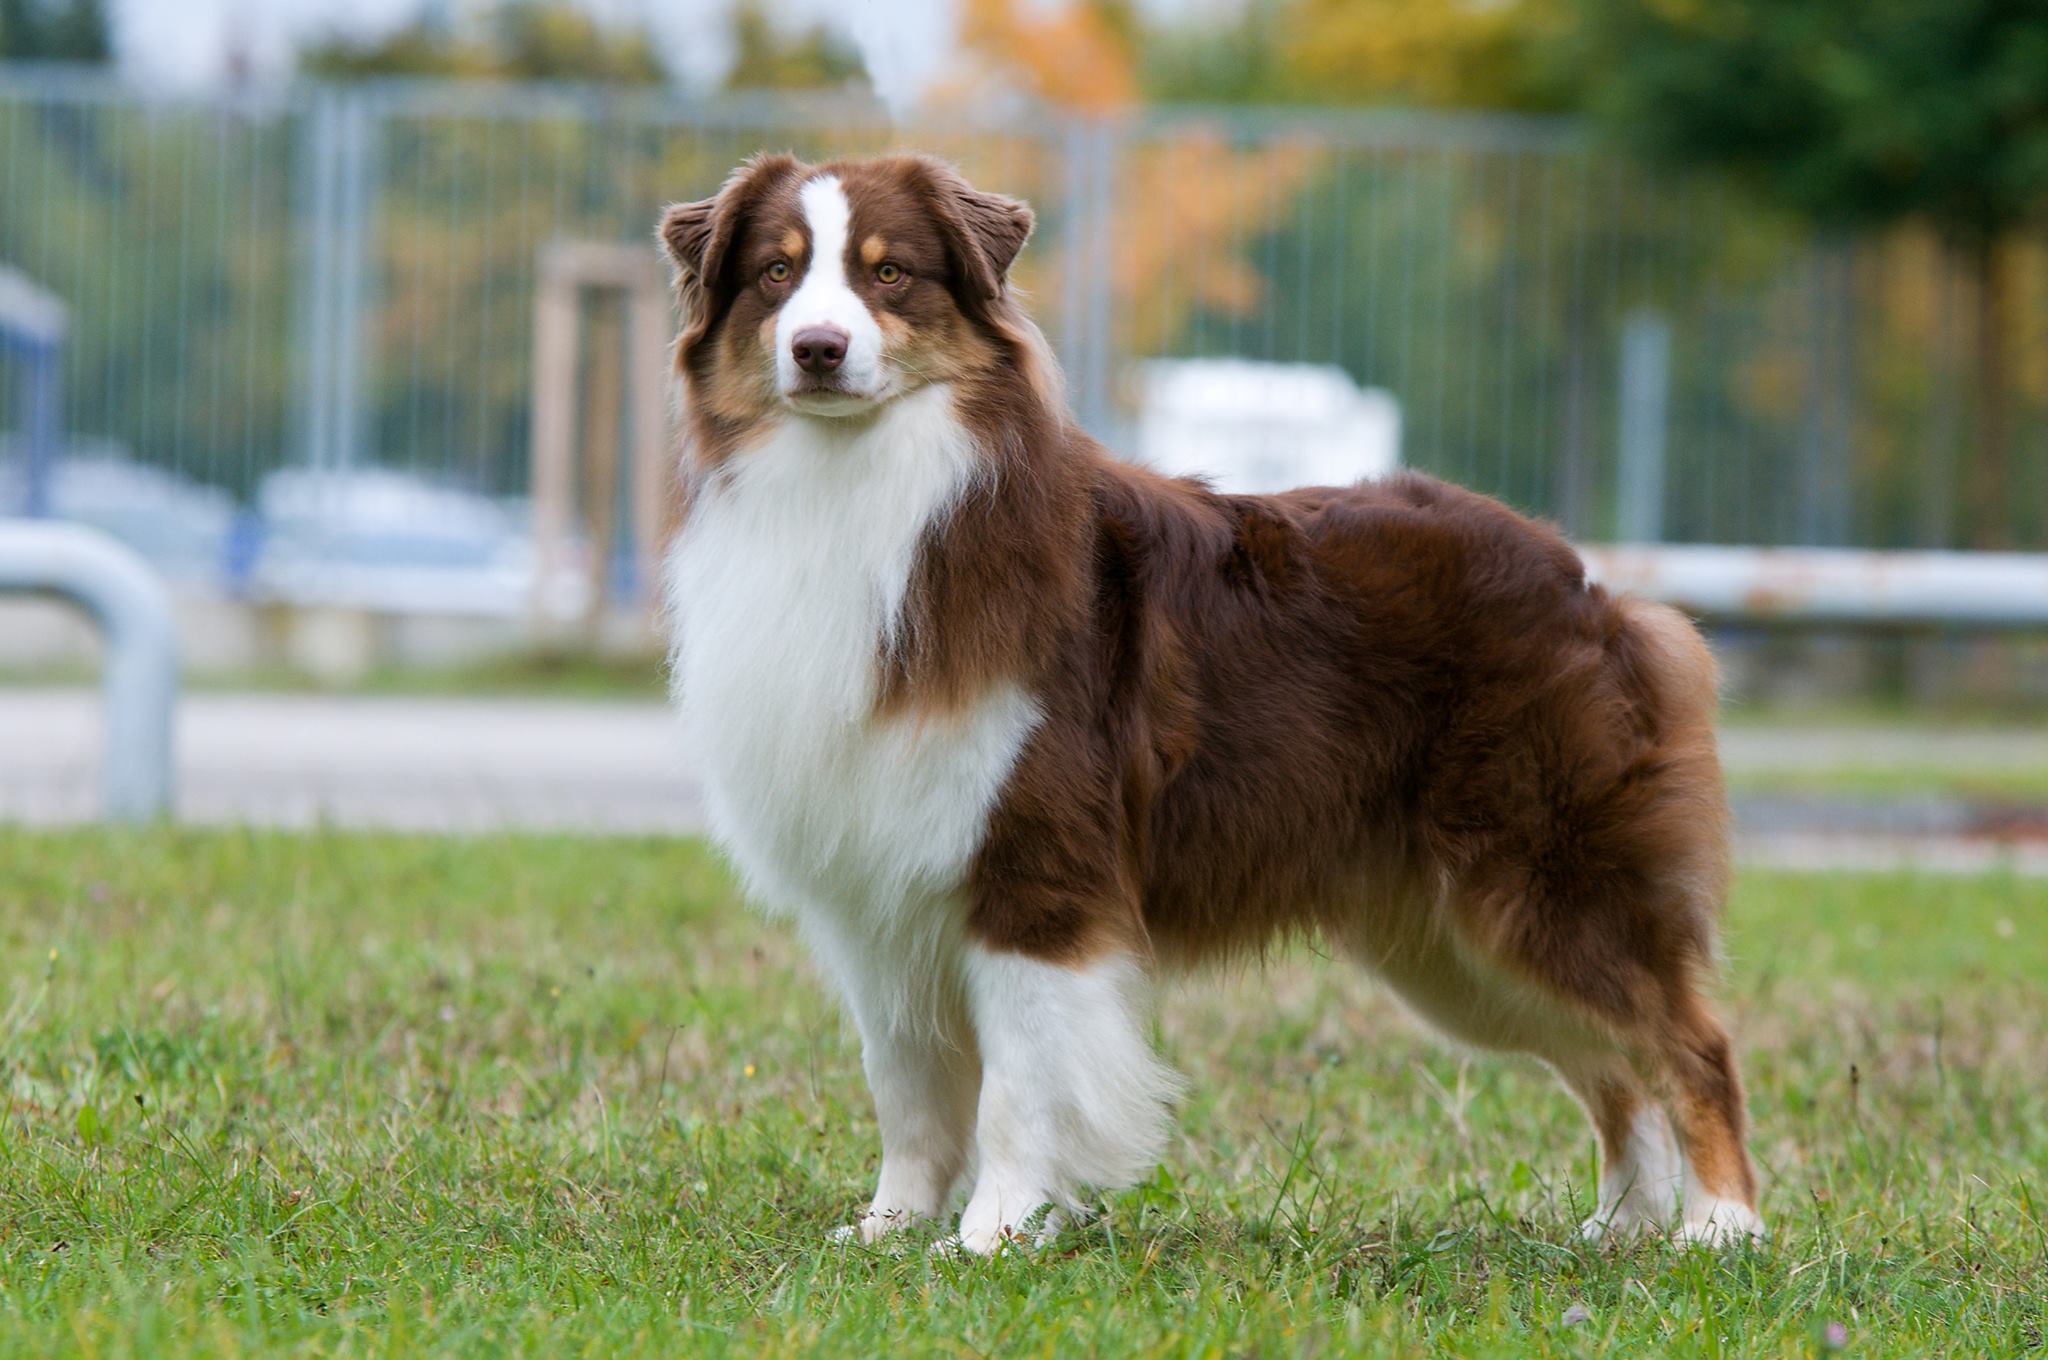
832, 403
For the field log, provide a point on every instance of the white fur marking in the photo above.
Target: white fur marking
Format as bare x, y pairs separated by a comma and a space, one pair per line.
1071, 1093
824, 297
1711, 1221
919, 1056
1639, 1190
786, 582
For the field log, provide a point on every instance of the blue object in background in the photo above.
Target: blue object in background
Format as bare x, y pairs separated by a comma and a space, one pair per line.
32, 329
244, 548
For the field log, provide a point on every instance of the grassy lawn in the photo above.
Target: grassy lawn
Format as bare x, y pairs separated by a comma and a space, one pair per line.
366, 1095
1879, 783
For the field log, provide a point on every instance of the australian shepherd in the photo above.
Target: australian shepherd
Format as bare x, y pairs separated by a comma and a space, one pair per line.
1010, 727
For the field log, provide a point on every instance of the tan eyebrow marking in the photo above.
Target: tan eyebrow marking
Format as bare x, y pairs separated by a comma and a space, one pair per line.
792, 243
873, 249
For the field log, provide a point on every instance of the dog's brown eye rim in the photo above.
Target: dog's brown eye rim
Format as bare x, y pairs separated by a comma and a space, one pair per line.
888, 274
777, 272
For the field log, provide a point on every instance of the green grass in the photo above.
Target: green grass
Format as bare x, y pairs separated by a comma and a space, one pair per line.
1890, 783
374, 1096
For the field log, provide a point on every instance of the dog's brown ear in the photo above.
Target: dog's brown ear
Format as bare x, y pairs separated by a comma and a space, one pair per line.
686, 231
699, 235
984, 231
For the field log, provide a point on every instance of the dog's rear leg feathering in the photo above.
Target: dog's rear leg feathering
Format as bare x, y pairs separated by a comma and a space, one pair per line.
1604, 961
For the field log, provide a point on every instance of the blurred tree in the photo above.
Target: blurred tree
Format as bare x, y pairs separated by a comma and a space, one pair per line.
1487, 54
39, 30
526, 40
1080, 55
166, 231
548, 40
1085, 56
418, 50
1856, 114
766, 58
1240, 61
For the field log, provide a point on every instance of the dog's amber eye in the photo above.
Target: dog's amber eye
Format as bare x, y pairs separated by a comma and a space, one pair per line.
888, 273
778, 272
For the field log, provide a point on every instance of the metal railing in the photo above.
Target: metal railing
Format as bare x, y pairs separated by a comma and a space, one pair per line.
133, 611
325, 280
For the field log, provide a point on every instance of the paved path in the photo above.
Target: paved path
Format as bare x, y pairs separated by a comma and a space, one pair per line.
458, 764
1917, 748
415, 764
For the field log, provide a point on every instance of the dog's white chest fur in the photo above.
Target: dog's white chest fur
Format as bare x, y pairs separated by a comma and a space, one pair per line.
786, 584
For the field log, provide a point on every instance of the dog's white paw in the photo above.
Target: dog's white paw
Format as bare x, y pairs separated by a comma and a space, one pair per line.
1623, 1222
988, 1237
983, 1241
1720, 1223
871, 1227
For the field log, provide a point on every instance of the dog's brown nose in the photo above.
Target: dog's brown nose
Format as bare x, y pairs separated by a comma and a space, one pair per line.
818, 349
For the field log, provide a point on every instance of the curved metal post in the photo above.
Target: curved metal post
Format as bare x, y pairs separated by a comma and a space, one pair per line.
1833, 585
133, 610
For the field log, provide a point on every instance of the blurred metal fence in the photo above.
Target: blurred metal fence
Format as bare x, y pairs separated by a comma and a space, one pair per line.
265, 289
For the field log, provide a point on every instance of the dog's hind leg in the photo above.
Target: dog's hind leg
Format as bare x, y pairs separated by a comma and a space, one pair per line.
1697, 1065
1641, 1171
1659, 1080
1493, 1005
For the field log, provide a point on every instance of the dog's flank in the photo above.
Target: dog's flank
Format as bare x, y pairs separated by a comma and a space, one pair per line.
1010, 725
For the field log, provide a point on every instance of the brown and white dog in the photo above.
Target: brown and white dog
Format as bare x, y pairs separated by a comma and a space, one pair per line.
1010, 726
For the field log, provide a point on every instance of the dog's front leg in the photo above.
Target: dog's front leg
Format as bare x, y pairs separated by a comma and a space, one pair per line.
918, 1052
1071, 1094
924, 1085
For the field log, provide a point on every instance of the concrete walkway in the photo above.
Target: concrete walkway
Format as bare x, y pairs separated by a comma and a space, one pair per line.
403, 763
468, 764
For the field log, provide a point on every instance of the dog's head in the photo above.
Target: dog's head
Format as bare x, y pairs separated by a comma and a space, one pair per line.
828, 291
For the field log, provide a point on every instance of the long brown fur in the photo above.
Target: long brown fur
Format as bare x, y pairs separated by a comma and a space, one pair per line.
1395, 716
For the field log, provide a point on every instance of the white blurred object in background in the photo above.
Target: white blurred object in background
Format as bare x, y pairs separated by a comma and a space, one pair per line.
179, 525
389, 541
1253, 427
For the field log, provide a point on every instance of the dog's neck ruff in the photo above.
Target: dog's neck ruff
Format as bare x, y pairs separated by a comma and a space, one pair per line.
787, 585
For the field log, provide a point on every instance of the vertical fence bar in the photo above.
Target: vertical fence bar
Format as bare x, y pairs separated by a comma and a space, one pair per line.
352, 293
1643, 420
319, 193
1095, 410
1075, 249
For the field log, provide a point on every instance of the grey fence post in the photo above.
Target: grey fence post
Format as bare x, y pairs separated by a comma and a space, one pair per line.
333, 250
1645, 404
141, 671
352, 285
35, 324
1090, 150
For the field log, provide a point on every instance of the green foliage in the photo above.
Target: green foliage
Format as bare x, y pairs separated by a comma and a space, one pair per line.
765, 57
368, 1095
525, 40
1847, 110
54, 30
1381, 52
1858, 113
167, 233
417, 50
548, 40
1235, 61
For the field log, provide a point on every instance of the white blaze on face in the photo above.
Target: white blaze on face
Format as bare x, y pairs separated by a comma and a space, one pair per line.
824, 298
